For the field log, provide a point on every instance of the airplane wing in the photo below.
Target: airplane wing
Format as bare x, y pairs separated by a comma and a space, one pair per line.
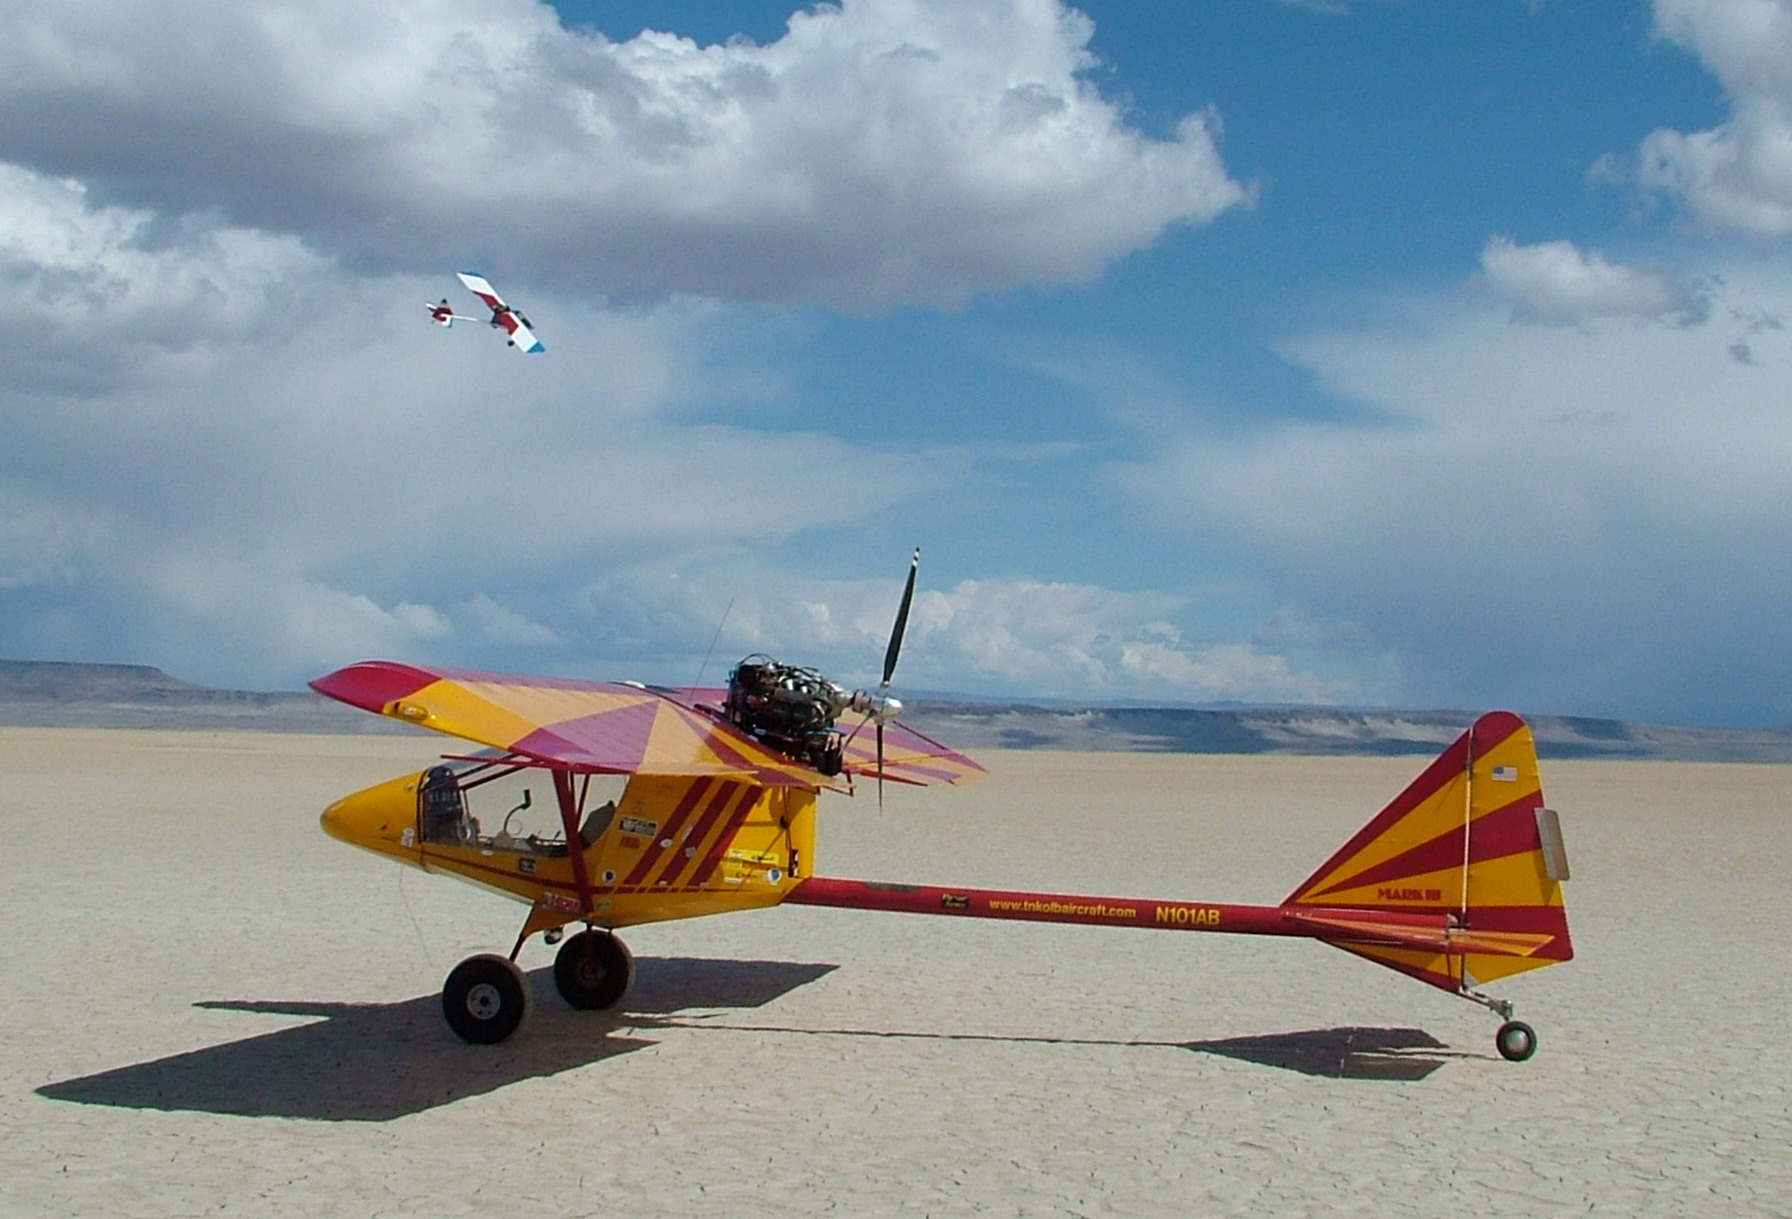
909, 757
478, 285
521, 337
604, 727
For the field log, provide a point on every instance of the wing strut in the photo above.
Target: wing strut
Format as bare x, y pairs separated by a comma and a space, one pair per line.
570, 806
550, 909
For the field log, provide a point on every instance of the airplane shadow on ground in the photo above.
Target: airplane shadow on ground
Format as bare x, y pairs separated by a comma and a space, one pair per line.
1391, 1055
1398, 1055
372, 1062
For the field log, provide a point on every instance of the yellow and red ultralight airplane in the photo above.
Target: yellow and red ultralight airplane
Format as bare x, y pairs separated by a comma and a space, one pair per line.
1456, 882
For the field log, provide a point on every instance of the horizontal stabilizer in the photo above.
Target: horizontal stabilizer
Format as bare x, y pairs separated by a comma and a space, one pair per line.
1341, 927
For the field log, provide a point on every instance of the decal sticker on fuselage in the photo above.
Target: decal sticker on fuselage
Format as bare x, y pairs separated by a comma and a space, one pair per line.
1188, 916
740, 865
1390, 894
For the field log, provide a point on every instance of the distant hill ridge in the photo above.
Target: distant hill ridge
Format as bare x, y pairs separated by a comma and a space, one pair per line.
66, 679
1324, 731
43, 693
67, 694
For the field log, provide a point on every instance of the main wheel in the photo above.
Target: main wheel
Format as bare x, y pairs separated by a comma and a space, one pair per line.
593, 970
1516, 1041
485, 998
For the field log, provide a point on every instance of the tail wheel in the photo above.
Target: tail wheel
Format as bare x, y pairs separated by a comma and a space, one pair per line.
1516, 1041
485, 999
593, 970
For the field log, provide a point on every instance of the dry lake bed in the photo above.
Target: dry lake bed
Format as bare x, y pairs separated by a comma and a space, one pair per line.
211, 1008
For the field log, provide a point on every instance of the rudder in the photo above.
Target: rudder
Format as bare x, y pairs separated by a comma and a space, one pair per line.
1469, 852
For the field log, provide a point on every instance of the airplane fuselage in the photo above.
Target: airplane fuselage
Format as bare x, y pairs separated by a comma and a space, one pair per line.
670, 847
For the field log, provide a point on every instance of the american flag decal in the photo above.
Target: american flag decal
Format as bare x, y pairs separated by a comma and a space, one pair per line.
1506, 774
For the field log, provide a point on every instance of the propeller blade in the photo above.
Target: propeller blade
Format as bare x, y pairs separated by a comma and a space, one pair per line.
879, 708
896, 632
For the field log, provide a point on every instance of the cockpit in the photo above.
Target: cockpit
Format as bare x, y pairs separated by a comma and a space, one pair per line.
488, 802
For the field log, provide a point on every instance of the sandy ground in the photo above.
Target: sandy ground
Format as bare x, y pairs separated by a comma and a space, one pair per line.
213, 1009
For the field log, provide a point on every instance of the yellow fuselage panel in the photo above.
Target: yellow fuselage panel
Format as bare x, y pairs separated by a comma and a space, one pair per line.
676, 847
381, 819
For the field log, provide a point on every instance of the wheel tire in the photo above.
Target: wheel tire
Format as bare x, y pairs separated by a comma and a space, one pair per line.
1516, 1041
485, 999
593, 970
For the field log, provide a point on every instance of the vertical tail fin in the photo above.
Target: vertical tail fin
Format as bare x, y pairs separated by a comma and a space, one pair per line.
1470, 852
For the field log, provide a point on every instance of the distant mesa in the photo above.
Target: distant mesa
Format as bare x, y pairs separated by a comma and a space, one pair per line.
1321, 731
61, 694
64, 694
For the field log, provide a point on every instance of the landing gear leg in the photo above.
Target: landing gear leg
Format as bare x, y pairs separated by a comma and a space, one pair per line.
1515, 1040
593, 970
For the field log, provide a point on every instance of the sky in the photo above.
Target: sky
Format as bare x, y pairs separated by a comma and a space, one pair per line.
1364, 353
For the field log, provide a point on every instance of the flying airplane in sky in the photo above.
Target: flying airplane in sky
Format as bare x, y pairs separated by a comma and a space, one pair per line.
1457, 882
513, 324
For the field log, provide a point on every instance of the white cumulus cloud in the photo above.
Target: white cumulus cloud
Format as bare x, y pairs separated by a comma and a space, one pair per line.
98, 291
243, 461
1555, 282
1000, 637
880, 153
1737, 176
